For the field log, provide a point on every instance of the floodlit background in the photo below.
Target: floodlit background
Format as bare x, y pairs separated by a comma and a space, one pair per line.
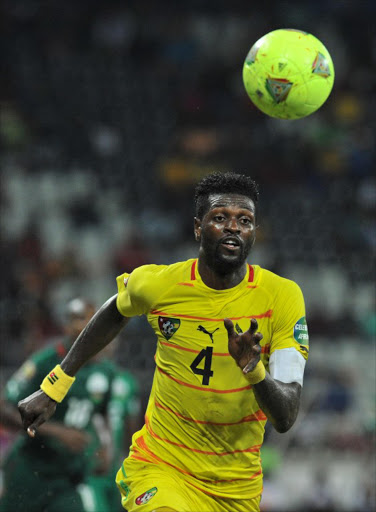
110, 112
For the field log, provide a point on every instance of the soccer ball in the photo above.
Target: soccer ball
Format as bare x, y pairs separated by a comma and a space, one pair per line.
288, 74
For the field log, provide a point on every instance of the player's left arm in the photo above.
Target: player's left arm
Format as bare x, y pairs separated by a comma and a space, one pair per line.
278, 392
278, 400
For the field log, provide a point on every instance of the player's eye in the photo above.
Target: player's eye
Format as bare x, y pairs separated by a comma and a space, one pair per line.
219, 218
246, 220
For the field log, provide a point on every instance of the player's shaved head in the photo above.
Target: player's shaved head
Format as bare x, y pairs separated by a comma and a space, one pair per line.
78, 312
78, 307
223, 183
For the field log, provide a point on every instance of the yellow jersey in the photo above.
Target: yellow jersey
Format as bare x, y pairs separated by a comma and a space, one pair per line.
202, 417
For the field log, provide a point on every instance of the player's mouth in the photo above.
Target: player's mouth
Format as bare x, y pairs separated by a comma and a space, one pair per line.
231, 243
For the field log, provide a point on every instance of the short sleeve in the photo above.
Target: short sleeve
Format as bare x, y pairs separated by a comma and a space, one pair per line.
290, 326
130, 300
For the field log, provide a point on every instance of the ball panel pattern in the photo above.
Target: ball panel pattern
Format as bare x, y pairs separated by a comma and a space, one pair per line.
288, 74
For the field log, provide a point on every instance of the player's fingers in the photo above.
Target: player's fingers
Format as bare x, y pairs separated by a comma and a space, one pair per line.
229, 326
253, 325
256, 349
32, 429
257, 337
249, 367
31, 432
26, 420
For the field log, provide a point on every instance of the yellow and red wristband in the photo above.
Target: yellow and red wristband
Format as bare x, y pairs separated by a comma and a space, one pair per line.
57, 384
256, 375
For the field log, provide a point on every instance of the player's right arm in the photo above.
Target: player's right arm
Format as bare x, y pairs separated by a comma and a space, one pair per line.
99, 332
74, 440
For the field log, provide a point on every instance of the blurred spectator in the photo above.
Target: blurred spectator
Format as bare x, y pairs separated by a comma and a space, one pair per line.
86, 437
132, 254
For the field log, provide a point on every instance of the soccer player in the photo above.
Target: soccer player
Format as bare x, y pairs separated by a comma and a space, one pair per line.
52, 472
232, 343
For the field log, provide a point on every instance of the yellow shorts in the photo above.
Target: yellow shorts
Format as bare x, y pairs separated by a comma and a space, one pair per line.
146, 486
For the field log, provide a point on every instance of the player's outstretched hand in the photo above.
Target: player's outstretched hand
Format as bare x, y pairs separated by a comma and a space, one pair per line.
244, 347
35, 410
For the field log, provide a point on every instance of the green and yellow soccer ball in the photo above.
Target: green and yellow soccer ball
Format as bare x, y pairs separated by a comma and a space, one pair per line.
288, 74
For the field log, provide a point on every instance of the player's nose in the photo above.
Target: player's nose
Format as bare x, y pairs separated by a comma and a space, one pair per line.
232, 226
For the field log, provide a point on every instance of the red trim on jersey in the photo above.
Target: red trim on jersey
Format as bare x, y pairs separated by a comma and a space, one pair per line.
185, 284
191, 349
193, 270
203, 388
251, 449
267, 314
259, 472
264, 350
257, 416
140, 441
138, 457
251, 273
179, 348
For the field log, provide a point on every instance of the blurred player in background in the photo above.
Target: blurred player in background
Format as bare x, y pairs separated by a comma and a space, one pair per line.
218, 378
72, 465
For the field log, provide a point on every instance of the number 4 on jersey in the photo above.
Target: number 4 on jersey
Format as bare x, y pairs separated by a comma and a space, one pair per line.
206, 372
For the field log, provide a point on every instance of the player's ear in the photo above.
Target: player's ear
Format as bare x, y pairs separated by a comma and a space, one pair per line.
197, 229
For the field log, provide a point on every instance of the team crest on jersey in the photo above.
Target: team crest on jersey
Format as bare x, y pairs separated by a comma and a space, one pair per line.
301, 332
168, 326
146, 496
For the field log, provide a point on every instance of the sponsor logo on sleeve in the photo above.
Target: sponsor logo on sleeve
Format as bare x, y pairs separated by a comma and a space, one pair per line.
146, 496
301, 332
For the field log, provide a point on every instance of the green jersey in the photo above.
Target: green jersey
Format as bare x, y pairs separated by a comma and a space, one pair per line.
101, 388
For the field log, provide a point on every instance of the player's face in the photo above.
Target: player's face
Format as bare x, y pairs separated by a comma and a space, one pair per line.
227, 231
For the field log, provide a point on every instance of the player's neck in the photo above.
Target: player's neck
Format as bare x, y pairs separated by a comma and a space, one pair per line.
220, 281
